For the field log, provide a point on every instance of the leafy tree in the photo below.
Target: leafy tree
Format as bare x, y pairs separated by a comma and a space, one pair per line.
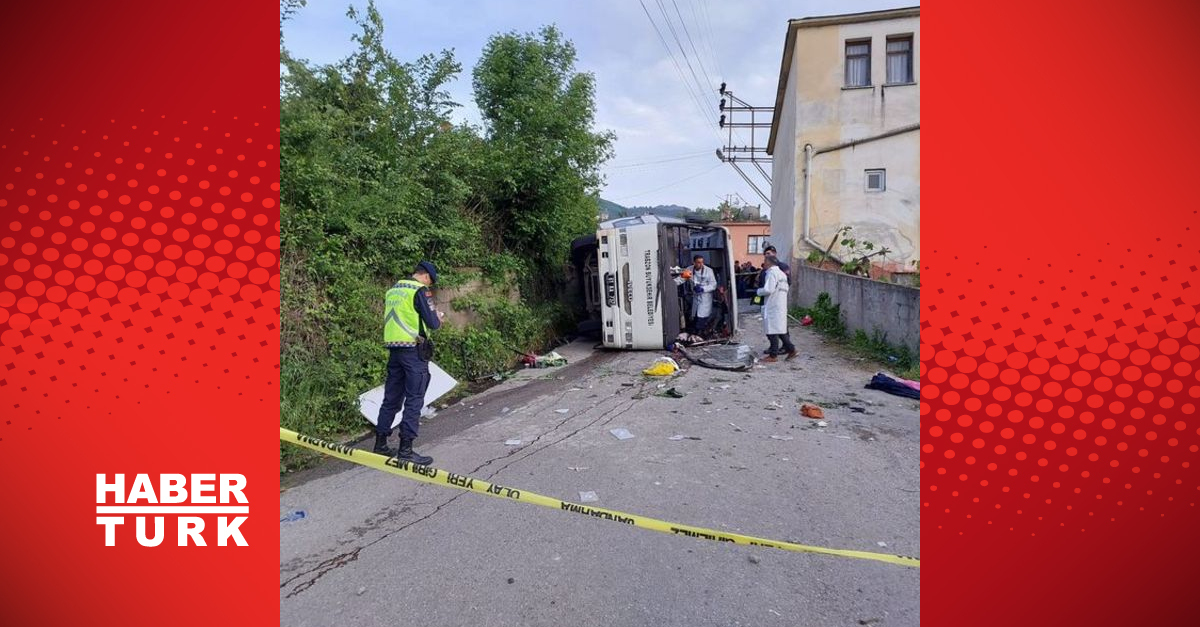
376, 177
539, 112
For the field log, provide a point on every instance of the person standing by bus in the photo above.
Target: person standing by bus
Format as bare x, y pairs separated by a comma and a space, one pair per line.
775, 321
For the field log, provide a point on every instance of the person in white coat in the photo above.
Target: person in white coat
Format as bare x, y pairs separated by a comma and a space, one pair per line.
704, 283
774, 309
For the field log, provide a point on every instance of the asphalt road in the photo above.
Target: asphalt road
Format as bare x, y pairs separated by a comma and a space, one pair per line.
375, 549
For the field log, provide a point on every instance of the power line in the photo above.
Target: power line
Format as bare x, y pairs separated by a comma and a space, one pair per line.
692, 43
679, 70
711, 36
621, 166
675, 35
706, 43
672, 184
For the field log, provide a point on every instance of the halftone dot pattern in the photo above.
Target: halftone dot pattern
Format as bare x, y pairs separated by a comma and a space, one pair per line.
1062, 397
127, 274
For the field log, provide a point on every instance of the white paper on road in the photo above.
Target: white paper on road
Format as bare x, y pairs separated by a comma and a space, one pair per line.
439, 384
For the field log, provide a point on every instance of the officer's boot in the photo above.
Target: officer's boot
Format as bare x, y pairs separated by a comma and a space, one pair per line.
381, 445
408, 454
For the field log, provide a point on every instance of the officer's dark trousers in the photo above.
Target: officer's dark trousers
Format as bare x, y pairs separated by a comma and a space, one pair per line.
407, 380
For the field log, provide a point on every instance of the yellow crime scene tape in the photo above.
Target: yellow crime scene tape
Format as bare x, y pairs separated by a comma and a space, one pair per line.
429, 474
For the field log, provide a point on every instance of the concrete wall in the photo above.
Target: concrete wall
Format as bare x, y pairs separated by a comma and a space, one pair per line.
819, 110
443, 298
866, 305
785, 185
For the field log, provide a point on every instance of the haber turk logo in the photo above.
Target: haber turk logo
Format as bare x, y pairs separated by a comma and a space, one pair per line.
185, 499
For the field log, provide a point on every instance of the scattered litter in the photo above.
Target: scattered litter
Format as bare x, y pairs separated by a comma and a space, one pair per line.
428, 412
754, 559
577, 468
621, 433
661, 385
882, 544
811, 411
505, 410
512, 442
725, 387
657, 483
868, 621
721, 357
843, 437
362, 590
785, 459
822, 424
662, 367
628, 385
859, 410
774, 612
892, 385
735, 427
706, 402
671, 393
806, 321
561, 411
677, 438
785, 438
549, 360
588, 497
294, 516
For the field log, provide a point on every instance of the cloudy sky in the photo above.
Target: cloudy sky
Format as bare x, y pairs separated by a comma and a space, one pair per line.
666, 127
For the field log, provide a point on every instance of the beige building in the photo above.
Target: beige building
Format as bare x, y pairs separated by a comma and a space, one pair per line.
846, 136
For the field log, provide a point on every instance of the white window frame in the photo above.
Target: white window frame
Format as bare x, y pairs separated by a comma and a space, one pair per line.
882, 172
751, 248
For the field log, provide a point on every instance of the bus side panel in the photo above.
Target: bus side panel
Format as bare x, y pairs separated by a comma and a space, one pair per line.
629, 277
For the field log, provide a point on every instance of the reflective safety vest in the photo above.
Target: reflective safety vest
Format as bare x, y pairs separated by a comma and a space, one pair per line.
400, 318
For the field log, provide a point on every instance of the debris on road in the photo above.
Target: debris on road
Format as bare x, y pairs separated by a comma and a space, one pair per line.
561, 411
677, 438
894, 385
809, 410
735, 427
621, 433
512, 442
294, 516
671, 393
823, 424
782, 437
362, 590
754, 559
588, 497
882, 544
577, 468
721, 357
662, 367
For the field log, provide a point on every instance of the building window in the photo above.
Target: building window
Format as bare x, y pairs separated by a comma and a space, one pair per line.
876, 180
858, 63
756, 244
900, 59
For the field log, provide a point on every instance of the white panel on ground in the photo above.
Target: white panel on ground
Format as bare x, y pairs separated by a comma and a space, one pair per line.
439, 384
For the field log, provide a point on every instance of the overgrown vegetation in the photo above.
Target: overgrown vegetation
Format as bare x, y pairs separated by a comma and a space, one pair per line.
827, 319
376, 176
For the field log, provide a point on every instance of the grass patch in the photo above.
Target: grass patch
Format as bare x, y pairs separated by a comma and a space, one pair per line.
827, 320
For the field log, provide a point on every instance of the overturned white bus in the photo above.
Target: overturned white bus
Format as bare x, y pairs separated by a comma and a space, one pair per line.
628, 272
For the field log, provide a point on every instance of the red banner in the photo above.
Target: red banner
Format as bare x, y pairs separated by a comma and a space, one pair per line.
139, 187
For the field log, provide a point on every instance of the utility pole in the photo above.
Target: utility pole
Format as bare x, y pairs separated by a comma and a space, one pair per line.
734, 114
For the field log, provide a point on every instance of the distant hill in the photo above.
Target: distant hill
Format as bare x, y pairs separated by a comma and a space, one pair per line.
609, 210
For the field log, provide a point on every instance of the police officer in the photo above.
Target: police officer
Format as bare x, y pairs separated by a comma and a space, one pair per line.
407, 313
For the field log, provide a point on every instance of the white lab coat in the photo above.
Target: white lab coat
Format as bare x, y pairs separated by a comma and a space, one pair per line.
775, 289
703, 302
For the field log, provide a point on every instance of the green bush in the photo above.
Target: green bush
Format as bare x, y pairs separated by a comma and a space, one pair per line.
375, 177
